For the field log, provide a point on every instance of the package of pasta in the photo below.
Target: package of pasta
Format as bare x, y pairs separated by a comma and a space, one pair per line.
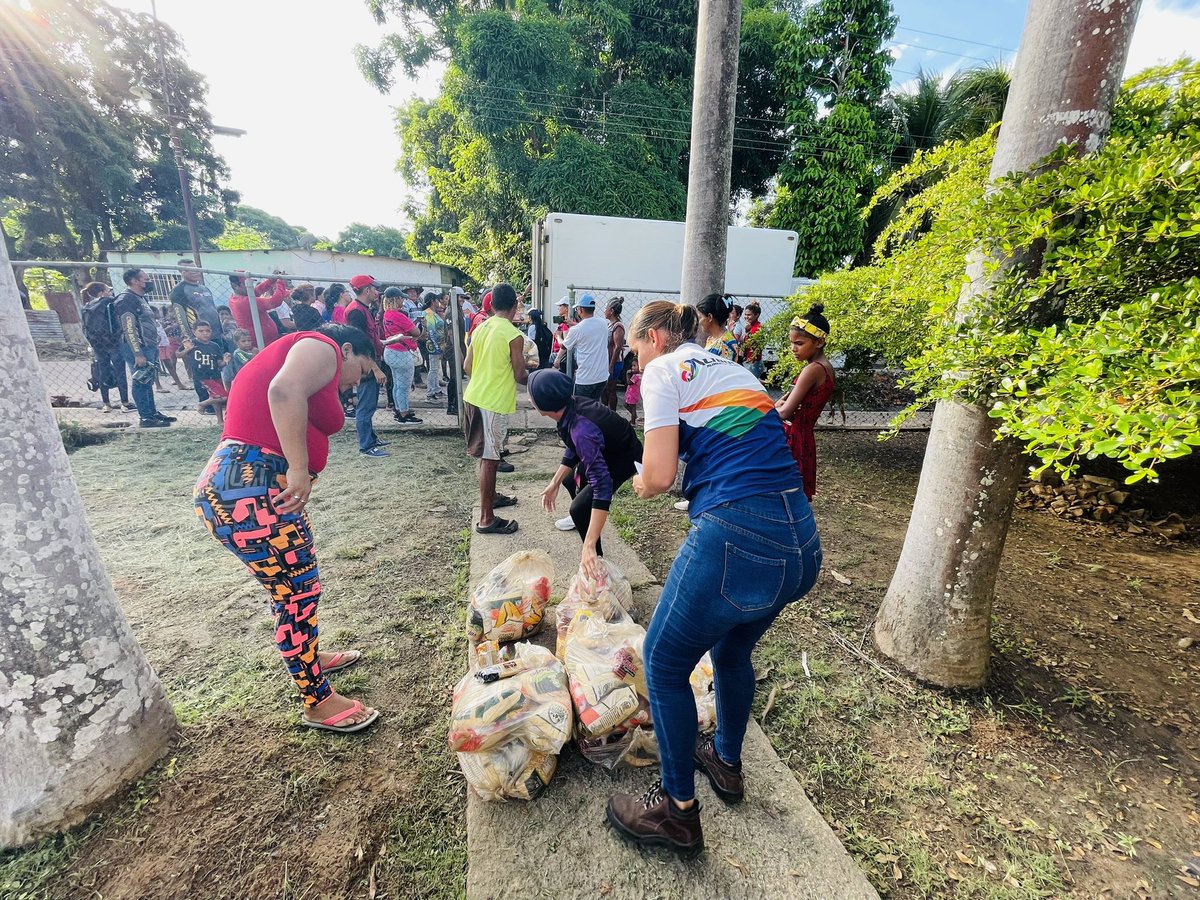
510, 602
609, 594
508, 722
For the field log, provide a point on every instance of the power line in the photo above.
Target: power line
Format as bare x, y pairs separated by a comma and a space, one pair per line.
950, 37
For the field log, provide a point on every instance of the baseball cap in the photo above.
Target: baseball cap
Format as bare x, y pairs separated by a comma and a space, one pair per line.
585, 301
565, 301
358, 282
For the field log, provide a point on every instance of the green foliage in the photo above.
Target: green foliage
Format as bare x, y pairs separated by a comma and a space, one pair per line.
279, 234
371, 240
835, 70
581, 108
237, 236
1086, 341
85, 164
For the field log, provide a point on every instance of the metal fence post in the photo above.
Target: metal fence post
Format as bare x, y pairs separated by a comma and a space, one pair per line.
255, 319
569, 368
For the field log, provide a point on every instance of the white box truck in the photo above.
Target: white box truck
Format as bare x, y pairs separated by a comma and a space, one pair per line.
642, 260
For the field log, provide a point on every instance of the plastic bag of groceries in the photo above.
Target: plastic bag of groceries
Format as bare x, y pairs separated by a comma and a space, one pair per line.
510, 602
702, 688
603, 659
508, 722
608, 594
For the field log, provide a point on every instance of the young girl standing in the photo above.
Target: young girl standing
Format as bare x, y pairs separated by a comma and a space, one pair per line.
815, 384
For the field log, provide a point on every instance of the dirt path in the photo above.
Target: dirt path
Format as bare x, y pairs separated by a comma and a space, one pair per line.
1075, 772
249, 805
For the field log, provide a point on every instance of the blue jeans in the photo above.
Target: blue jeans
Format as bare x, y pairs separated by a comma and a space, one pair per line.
143, 392
401, 364
741, 564
364, 413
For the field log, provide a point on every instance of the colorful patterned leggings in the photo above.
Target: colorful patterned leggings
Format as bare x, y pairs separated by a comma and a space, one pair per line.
234, 496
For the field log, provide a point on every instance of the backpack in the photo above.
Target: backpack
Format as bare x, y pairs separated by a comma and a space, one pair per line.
97, 320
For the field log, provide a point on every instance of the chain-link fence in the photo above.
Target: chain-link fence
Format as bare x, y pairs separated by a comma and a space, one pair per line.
866, 399
69, 362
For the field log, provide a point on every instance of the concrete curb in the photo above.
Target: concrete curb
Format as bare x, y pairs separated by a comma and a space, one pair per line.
774, 845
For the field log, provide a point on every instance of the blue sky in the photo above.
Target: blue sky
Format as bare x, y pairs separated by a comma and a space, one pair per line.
935, 35
320, 148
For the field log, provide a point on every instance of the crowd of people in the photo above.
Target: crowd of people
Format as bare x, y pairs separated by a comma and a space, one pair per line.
326, 355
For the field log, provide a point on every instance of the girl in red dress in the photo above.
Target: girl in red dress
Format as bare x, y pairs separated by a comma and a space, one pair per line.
815, 384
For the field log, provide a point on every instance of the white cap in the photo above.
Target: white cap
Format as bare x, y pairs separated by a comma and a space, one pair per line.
456, 291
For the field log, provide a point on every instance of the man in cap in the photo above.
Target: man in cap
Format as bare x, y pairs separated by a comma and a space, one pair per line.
589, 341
359, 315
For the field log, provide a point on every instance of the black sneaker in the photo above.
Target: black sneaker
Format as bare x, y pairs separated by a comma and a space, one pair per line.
410, 419
505, 466
153, 423
129, 407
167, 419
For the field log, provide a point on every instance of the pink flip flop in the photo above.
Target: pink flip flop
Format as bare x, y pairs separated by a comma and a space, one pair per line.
331, 724
342, 660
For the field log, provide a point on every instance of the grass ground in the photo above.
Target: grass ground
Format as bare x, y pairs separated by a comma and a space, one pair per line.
248, 804
1074, 774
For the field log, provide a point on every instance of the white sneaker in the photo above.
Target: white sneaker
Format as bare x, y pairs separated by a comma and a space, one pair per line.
566, 523
682, 506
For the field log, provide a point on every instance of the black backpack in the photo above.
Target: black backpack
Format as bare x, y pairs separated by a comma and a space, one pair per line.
98, 325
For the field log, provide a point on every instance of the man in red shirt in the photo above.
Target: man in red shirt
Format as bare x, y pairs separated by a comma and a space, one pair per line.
359, 314
239, 306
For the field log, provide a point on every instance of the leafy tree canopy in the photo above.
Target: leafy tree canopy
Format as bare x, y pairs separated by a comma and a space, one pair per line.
1096, 351
582, 108
85, 160
278, 233
371, 240
835, 70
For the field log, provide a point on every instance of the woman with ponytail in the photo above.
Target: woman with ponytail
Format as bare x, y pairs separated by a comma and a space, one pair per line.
714, 316
802, 406
752, 549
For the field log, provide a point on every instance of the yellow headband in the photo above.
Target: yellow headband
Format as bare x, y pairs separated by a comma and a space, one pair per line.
805, 325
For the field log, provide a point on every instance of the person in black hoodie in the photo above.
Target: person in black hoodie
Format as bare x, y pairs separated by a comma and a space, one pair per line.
601, 454
100, 329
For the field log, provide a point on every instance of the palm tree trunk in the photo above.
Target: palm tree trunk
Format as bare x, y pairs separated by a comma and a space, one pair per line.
935, 620
81, 711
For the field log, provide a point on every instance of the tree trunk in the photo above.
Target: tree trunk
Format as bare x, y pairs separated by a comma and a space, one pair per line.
935, 619
714, 94
81, 711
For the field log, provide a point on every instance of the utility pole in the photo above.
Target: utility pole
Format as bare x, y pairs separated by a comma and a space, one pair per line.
935, 619
81, 712
185, 187
714, 96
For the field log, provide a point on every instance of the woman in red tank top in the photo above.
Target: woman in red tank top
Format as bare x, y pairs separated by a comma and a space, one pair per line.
282, 408
812, 389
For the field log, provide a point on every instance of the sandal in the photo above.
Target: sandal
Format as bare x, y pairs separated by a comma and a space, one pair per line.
331, 724
499, 526
503, 500
342, 660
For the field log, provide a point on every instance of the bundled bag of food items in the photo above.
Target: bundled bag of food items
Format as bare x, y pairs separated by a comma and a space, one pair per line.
510, 717
510, 602
609, 595
603, 658
706, 700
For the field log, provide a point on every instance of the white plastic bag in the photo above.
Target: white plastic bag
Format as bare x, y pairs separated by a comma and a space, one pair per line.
609, 594
509, 721
510, 602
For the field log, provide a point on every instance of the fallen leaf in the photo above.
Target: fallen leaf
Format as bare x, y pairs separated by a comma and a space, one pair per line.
1187, 614
842, 579
897, 873
737, 865
372, 888
963, 858
1190, 882
605, 888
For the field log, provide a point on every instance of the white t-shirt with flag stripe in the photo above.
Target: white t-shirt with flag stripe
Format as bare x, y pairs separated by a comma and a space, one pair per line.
730, 435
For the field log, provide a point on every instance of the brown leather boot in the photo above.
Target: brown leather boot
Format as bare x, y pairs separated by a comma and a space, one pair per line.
653, 820
726, 780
